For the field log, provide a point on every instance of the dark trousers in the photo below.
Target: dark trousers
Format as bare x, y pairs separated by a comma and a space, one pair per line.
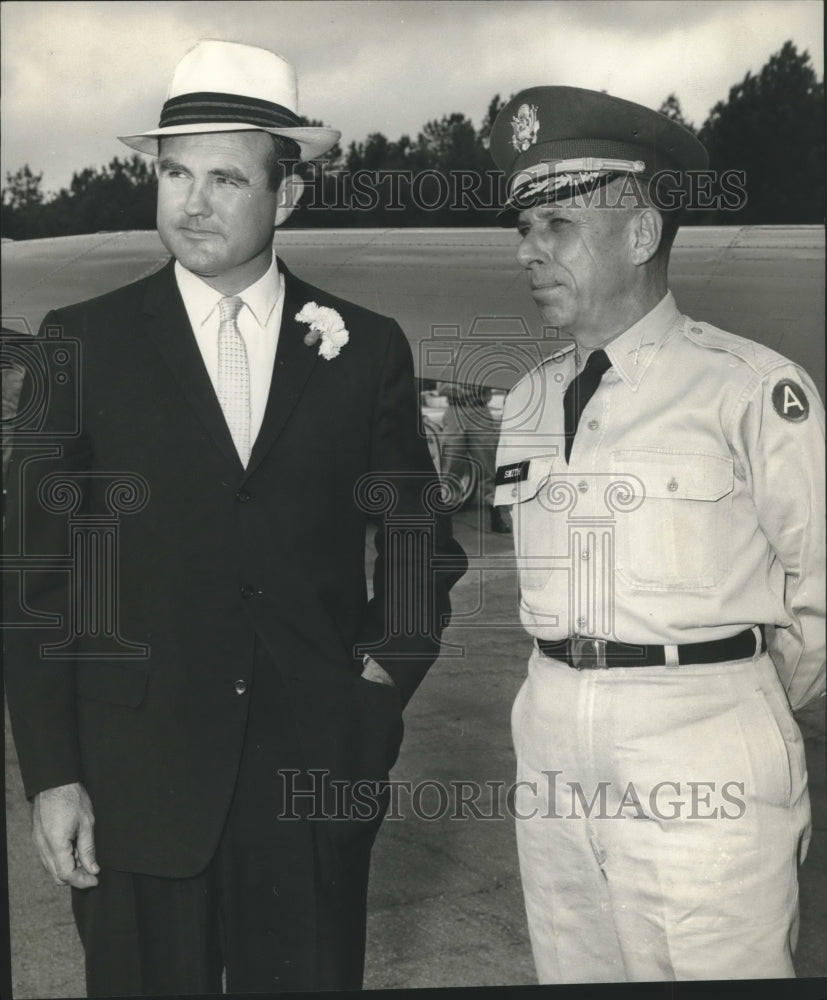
259, 910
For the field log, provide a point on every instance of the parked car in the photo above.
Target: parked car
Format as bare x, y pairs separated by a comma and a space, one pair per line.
464, 474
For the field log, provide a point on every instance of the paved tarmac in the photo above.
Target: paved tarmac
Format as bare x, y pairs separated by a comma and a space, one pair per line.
763, 282
445, 906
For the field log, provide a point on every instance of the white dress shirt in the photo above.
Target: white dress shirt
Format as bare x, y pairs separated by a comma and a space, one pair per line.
259, 322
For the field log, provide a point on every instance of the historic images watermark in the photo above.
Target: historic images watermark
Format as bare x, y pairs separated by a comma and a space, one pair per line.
333, 189
461, 800
330, 189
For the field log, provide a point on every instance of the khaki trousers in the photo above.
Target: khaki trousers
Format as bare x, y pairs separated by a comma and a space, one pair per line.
662, 813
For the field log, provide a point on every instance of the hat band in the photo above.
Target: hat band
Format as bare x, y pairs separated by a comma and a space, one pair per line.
208, 108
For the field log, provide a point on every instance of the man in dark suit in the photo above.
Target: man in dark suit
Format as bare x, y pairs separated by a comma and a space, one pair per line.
227, 700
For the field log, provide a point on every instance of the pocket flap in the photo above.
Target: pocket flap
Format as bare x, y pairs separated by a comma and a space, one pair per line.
522, 480
684, 476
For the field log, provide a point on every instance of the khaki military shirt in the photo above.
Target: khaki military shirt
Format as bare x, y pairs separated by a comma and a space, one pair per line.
693, 503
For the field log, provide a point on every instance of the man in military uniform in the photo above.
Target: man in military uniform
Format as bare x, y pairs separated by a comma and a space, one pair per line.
667, 491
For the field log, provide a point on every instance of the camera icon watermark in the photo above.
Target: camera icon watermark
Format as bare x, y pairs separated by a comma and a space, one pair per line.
41, 386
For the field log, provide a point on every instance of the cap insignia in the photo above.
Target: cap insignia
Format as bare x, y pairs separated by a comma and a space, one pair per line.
525, 126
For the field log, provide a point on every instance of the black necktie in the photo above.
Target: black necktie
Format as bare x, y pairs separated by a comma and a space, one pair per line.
580, 391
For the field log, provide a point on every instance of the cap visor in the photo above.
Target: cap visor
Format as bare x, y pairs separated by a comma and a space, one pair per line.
507, 216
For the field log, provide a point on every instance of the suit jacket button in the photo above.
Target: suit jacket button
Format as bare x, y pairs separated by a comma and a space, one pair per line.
247, 592
243, 496
240, 686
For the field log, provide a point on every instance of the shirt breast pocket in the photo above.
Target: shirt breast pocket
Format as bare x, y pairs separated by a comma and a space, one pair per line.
524, 489
676, 537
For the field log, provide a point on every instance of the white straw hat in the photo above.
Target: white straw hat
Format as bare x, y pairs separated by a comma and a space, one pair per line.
229, 87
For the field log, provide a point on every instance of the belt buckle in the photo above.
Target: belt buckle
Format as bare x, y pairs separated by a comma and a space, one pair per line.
587, 653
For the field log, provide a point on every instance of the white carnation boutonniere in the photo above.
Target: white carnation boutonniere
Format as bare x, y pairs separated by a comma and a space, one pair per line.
326, 328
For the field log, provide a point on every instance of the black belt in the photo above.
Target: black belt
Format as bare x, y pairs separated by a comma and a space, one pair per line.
585, 653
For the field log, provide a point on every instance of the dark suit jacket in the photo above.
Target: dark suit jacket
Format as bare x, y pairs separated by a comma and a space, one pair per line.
211, 559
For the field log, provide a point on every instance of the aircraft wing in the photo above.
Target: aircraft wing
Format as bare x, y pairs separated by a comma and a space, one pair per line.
459, 294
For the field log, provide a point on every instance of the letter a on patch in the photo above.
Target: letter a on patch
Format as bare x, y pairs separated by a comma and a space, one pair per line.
789, 401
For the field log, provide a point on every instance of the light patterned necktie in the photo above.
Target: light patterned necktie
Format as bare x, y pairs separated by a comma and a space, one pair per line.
234, 376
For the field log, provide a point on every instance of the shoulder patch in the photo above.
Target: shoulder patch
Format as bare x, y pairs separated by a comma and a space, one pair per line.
790, 401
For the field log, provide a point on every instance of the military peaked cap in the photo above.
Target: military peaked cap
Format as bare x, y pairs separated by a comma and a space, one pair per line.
552, 142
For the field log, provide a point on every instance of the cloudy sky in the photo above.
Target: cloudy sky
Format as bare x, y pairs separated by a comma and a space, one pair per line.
74, 75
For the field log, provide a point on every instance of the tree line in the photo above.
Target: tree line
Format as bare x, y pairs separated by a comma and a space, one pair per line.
770, 127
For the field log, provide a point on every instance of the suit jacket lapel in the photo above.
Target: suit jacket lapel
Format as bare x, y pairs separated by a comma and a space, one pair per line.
169, 328
293, 365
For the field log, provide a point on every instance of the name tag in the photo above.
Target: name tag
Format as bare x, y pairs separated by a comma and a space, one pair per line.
515, 473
